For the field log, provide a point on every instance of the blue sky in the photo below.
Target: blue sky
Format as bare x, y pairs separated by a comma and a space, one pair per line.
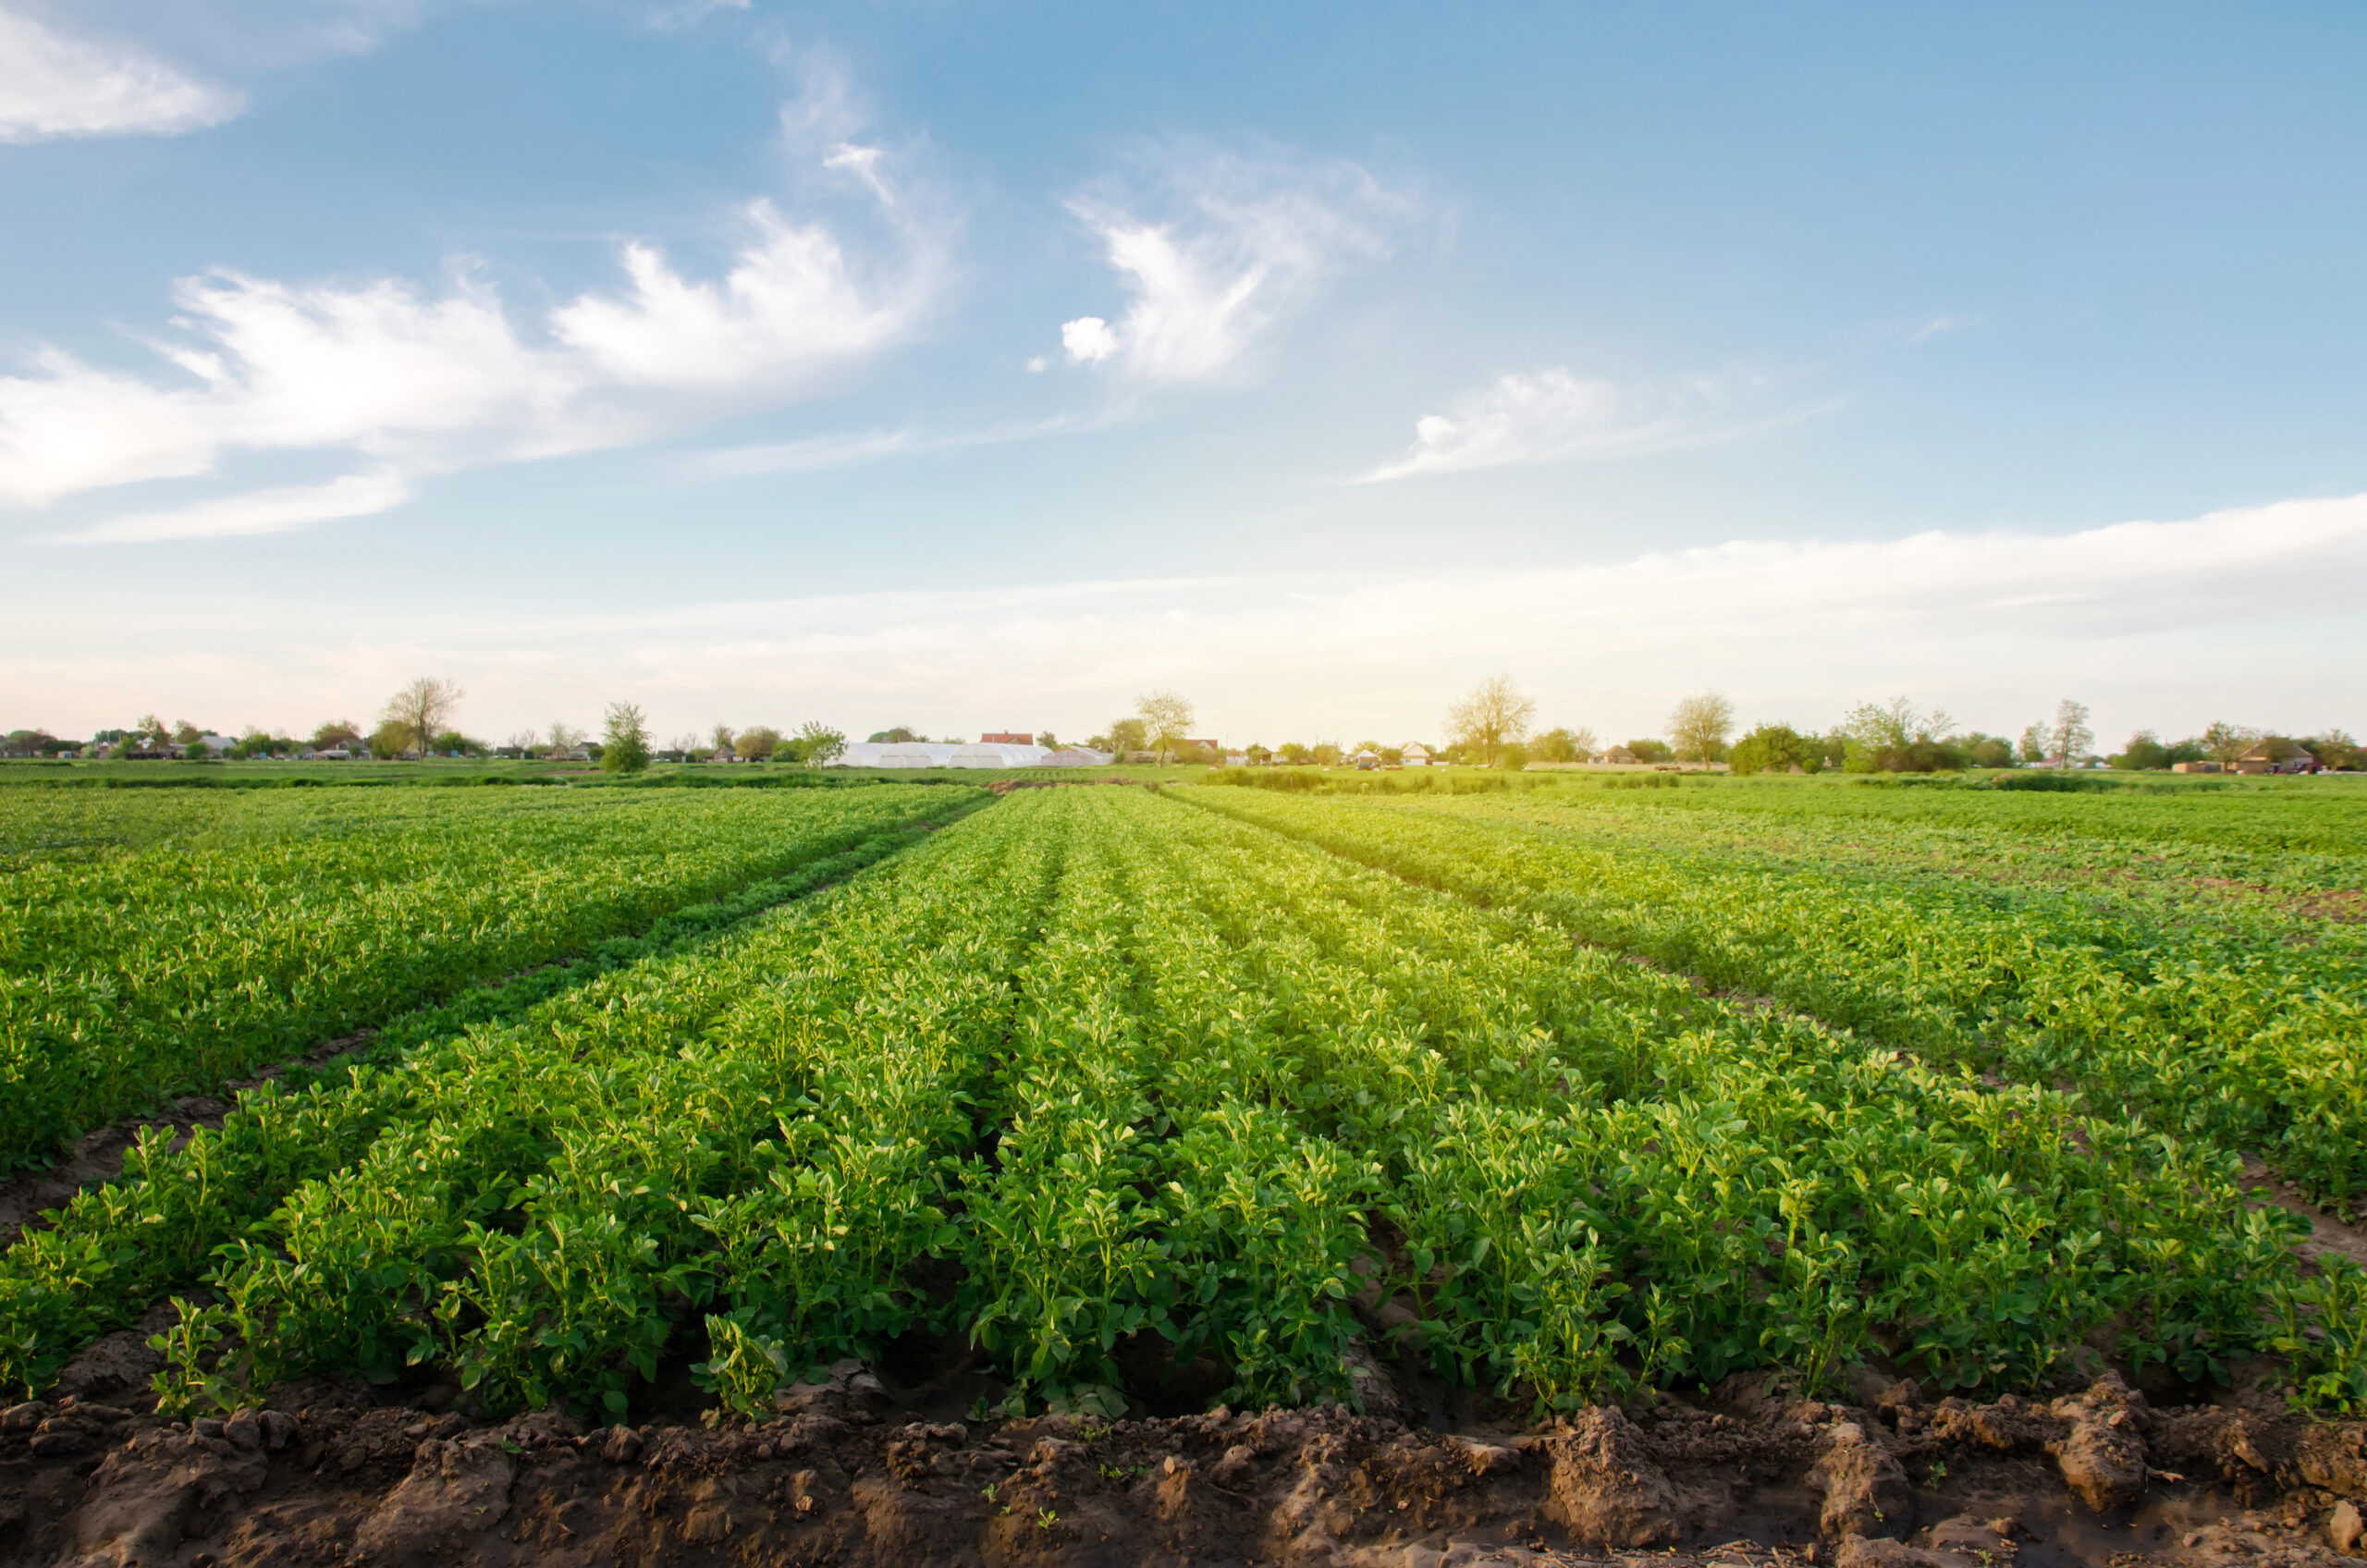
979, 367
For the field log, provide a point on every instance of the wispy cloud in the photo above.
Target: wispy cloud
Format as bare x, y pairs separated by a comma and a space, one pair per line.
1940, 325
1554, 416
255, 512
419, 382
53, 84
1213, 247
674, 16
833, 452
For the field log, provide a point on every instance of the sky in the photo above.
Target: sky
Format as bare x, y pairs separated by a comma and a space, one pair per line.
980, 367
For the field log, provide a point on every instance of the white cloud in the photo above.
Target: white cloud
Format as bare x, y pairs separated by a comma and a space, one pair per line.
1553, 416
1087, 340
256, 511
423, 383
790, 306
2251, 615
53, 84
1237, 242
1527, 419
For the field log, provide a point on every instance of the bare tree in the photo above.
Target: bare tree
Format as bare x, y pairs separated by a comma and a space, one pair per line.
564, 738
1699, 726
423, 709
1166, 721
725, 738
1496, 713
2070, 737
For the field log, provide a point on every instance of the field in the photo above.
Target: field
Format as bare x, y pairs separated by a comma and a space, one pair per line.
1113, 1105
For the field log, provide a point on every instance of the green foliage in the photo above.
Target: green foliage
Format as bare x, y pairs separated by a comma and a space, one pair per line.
624, 742
1116, 1082
1775, 748
243, 933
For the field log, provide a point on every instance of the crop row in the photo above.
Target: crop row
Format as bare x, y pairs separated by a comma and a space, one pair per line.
2250, 1043
150, 972
1139, 1097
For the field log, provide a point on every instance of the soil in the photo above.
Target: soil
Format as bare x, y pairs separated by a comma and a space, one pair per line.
857, 1471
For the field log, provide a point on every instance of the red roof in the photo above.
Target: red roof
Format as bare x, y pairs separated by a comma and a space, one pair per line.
1004, 739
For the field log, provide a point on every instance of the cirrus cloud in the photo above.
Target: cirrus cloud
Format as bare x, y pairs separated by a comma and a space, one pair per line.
1554, 416
1233, 242
53, 84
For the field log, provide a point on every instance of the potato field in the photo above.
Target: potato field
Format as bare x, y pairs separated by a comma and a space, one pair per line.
1137, 1091
1153, 1100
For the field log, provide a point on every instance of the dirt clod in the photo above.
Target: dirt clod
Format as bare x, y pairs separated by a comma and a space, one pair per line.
1604, 1487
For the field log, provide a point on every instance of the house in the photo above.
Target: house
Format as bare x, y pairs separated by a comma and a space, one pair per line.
1417, 754
1619, 756
1007, 738
2262, 758
2194, 767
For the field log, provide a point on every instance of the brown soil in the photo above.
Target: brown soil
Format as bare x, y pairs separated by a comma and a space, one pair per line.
98, 1156
845, 1473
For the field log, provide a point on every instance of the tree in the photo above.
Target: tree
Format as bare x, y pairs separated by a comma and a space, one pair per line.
757, 743
624, 739
2144, 752
1775, 748
1044, 739
390, 740
1129, 735
725, 738
2334, 749
1989, 751
1651, 750
1166, 721
564, 738
1565, 745
336, 732
423, 709
2033, 746
895, 735
1897, 736
2228, 741
1496, 713
1698, 725
819, 744
1295, 754
2069, 738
